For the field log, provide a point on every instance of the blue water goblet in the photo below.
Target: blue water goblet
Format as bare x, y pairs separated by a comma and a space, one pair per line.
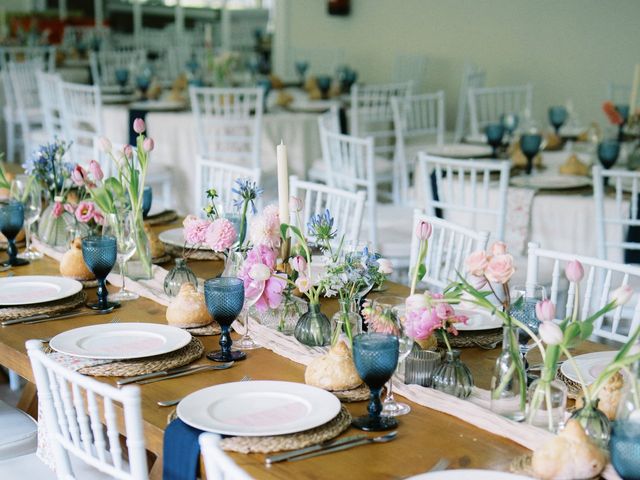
266, 86
608, 151
557, 116
624, 447
122, 77
143, 82
100, 253
301, 69
530, 145
376, 357
147, 198
11, 220
494, 133
324, 84
225, 298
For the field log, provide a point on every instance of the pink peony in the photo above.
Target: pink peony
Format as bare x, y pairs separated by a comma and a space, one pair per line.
265, 228
58, 210
220, 235
416, 301
574, 271
476, 263
148, 144
139, 125
78, 175
500, 268
96, 170
444, 311
264, 292
420, 324
85, 212
195, 229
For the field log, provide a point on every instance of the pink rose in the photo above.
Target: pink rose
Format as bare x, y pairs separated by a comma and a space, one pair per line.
574, 271
476, 263
500, 268
220, 235
148, 144
195, 229
58, 210
424, 230
96, 170
85, 211
545, 311
78, 175
498, 248
139, 125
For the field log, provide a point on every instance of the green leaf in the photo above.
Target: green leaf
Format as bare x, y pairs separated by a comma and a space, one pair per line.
571, 333
422, 271
586, 329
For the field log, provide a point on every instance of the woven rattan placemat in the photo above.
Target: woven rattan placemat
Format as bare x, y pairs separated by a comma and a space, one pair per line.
207, 330
480, 338
59, 306
176, 251
167, 216
573, 388
358, 394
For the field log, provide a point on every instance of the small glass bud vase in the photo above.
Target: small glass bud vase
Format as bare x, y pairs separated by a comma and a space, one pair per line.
509, 384
546, 404
343, 317
595, 423
313, 328
453, 376
178, 275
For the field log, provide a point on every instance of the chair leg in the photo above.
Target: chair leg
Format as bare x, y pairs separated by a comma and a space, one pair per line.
14, 381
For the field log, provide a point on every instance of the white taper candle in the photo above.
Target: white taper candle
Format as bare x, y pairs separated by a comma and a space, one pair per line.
283, 182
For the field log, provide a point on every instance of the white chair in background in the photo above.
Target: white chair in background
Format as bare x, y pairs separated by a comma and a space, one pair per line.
465, 192
81, 112
221, 176
618, 92
217, 464
487, 104
75, 407
22, 54
601, 279
411, 67
48, 92
228, 124
105, 63
418, 121
450, 244
329, 120
472, 77
345, 207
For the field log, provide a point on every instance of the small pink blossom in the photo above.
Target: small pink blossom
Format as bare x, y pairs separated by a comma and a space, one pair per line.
98, 218
424, 230
58, 210
139, 125
574, 271
622, 295
148, 144
476, 263
545, 310
303, 283
500, 268
78, 175
68, 207
498, 248
298, 263
195, 229
550, 333
85, 212
96, 170
220, 235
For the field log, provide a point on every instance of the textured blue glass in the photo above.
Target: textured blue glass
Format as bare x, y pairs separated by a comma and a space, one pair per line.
301, 67
557, 116
225, 298
624, 447
608, 152
143, 82
623, 110
525, 311
324, 83
494, 132
122, 76
100, 253
530, 144
11, 218
376, 357
147, 198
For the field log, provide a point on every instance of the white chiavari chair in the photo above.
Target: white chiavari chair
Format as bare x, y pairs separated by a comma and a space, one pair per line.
618, 92
411, 67
472, 77
450, 244
487, 104
47, 55
601, 278
81, 112
221, 176
465, 192
105, 63
419, 121
48, 91
228, 123
83, 426
329, 120
346, 208
217, 464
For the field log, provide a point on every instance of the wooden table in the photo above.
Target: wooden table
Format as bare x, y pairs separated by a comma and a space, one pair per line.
424, 437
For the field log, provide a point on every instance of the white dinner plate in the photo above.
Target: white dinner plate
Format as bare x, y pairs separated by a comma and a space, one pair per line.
572, 131
32, 289
120, 341
175, 237
477, 321
589, 364
469, 475
158, 105
550, 182
258, 408
459, 150
479, 138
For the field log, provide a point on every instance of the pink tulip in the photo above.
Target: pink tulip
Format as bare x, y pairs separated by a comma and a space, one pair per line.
424, 230
58, 210
98, 218
295, 204
78, 175
498, 248
105, 144
139, 125
545, 311
128, 151
148, 144
574, 271
500, 268
299, 264
622, 295
550, 333
444, 311
96, 170
476, 263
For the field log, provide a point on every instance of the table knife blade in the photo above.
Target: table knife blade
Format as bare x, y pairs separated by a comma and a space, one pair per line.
204, 368
161, 373
313, 448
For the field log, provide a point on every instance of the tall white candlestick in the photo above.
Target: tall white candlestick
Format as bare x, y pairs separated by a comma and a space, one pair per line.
283, 182
634, 90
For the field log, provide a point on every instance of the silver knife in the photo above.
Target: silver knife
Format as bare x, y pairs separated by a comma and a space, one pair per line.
365, 441
43, 317
205, 368
313, 448
162, 373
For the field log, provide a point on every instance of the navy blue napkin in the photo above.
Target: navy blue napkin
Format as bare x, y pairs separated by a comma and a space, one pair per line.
180, 452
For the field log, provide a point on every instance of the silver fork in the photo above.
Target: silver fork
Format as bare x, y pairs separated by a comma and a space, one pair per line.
171, 403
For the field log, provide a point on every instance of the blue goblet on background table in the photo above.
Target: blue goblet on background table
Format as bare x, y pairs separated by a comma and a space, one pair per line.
624, 446
557, 116
608, 151
301, 69
530, 145
11, 220
376, 358
494, 133
100, 253
225, 298
122, 77
324, 84
147, 198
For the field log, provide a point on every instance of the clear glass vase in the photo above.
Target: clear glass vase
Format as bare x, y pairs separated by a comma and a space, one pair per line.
313, 328
546, 404
508, 383
140, 266
55, 231
345, 321
595, 423
233, 264
285, 316
178, 275
453, 376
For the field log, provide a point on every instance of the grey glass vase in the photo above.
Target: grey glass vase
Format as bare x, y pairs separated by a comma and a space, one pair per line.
313, 328
508, 383
595, 423
453, 376
178, 275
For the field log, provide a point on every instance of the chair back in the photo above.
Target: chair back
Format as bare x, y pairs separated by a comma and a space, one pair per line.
48, 92
105, 63
81, 111
601, 278
411, 67
228, 123
85, 418
25, 87
487, 104
221, 176
217, 464
472, 77
463, 190
450, 244
345, 207
47, 55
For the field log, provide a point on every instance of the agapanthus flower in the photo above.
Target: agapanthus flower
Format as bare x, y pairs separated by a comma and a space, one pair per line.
320, 226
247, 191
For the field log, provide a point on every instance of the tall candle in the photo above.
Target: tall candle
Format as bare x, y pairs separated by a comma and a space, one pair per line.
634, 90
283, 182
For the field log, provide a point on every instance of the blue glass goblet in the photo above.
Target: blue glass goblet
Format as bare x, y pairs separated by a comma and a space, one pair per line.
301, 69
530, 145
122, 77
143, 82
100, 253
608, 151
624, 446
557, 116
147, 198
324, 84
11, 220
225, 298
376, 358
494, 133
265, 84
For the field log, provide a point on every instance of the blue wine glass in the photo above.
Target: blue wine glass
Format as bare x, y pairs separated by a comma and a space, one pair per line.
494, 133
225, 298
143, 82
147, 198
266, 85
608, 151
376, 358
100, 253
122, 77
11, 220
301, 69
557, 116
324, 84
624, 447
530, 145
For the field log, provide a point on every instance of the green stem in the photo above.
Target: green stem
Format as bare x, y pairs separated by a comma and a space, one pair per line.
445, 338
422, 252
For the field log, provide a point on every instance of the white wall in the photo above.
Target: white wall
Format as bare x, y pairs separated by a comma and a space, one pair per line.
566, 48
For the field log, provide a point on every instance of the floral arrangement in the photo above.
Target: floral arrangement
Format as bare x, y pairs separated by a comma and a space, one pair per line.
50, 169
263, 285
